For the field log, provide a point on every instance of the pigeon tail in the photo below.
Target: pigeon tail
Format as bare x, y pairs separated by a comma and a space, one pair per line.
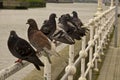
40, 63
83, 31
70, 39
52, 51
35, 60
48, 57
47, 54
63, 37
37, 67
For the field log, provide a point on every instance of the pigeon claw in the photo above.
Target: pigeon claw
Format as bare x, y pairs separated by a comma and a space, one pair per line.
19, 60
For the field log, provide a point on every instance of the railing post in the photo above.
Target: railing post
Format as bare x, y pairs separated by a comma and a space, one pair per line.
96, 44
99, 8
111, 4
47, 69
91, 48
116, 24
83, 55
71, 59
12, 69
70, 67
100, 38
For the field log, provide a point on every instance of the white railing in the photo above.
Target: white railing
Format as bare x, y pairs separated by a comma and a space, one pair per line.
100, 28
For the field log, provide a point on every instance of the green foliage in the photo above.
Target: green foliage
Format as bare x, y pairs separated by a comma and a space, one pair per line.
36, 3
34, 0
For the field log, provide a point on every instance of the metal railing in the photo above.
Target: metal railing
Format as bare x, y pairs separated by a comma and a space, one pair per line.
100, 29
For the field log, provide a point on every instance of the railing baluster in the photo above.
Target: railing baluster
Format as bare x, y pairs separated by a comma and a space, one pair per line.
47, 69
71, 60
111, 4
84, 56
96, 45
91, 49
70, 69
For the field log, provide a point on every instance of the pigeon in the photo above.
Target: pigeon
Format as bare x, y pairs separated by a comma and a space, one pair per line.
78, 23
21, 49
39, 40
68, 27
76, 20
49, 26
61, 36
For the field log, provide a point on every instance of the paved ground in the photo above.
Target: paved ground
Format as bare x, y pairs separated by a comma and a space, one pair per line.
111, 66
16, 20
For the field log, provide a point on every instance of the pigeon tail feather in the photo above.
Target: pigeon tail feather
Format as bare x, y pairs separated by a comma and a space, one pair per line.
48, 56
37, 67
51, 52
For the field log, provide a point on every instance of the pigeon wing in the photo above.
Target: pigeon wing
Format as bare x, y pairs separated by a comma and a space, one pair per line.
45, 27
39, 40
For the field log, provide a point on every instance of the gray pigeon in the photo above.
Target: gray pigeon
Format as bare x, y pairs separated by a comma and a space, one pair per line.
62, 36
68, 27
21, 49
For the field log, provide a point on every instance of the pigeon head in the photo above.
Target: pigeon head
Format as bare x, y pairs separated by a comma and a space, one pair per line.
52, 16
74, 13
32, 23
68, 17
13, 37
13, 34
63, 19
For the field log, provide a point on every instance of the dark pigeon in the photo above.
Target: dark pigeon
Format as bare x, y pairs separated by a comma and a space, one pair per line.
21, 49
49, 26
49, 29
39, 40
78, 23
76, 20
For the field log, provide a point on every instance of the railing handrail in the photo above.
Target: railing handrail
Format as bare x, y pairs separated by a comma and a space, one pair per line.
8, 71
